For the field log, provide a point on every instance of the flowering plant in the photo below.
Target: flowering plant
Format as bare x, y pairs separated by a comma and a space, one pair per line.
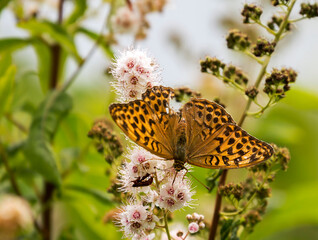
52, 178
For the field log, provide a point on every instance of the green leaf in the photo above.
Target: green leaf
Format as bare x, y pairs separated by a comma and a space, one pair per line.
97, 194
38, 150
6, 61
12, 44
44, 63
297, 208
3, 4
86, 225
7, 88
79, 9
55, 31
102, 43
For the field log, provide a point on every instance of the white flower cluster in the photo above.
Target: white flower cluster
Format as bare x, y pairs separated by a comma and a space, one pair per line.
134, 72
135, 220
126, 20
131, 18
167, 190
175, 195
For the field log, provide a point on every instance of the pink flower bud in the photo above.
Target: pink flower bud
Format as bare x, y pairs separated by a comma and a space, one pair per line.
193, 227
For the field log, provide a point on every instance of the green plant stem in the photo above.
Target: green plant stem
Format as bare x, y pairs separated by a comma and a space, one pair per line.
230, 81
251, 55
266, 61
297, 20
266, 28
216, 214
164, 211
166, 224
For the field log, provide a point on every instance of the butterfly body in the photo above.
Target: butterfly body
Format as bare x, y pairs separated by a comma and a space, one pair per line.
179, 153
201, 133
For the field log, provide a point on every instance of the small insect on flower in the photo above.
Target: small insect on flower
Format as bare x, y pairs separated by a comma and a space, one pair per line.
137, 175
134, 72
143, 181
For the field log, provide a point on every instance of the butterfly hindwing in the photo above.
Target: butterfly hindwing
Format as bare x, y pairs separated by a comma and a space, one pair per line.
139, 122
232, 147
203, 118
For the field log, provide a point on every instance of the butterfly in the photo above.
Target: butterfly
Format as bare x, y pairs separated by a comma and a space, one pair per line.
201, 133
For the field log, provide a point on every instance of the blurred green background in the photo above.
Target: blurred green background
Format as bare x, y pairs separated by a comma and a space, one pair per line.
81, 204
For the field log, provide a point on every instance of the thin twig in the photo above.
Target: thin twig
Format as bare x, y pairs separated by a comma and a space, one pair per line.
166, 224
49, 188
16, 123
69, 82
216, 214
217, 207
12, 178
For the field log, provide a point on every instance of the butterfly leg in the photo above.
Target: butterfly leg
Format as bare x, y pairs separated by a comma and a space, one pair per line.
187, 171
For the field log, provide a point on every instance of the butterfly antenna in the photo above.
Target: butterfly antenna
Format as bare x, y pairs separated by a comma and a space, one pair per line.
199, 181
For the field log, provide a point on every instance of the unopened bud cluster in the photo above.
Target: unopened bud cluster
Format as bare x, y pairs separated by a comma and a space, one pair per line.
280, 159
255, 186
282, 155
181, 93
251, 219
279, 2
106, 141
232, 190
251, 12
236, 74
278, 82
196, 222
276, 22
251, 92
309, 10
237, 40
263, 47
228, 73
212, 65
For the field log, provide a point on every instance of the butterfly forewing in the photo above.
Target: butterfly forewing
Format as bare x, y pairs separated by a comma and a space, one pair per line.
149, 122
140, 124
